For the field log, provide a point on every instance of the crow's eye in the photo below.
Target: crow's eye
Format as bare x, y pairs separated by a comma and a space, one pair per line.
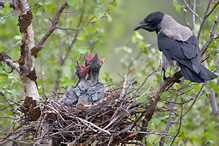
150, 20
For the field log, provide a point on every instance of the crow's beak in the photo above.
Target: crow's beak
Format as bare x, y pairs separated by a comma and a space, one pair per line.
140, 25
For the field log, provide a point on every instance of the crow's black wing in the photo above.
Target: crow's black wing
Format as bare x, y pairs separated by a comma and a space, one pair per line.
186, 53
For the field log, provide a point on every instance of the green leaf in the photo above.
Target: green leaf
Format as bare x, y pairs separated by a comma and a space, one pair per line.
49, 2
175, 4
174, 94
46, 15
71, 2
139, 36
178, 86
163, 95
93, 30
6, 6
216, 89
156, 121
212, 83
82, 50
109, 18
142, 99
134, 39
197, 87
178, 7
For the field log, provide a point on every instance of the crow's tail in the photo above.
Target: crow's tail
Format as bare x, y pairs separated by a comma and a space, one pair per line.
204, 74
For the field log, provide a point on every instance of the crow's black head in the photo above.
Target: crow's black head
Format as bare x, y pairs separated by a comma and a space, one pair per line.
151, 22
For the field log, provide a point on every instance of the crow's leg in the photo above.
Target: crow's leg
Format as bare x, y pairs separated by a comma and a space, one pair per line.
164, 76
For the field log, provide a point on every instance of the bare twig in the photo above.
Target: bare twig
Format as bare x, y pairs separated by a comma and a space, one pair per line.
10, 4
16, 44
4, 57
162, 140
82, 120
180, 124
2, 18
196, 98
44, 87
204, 19
193, 16
186, 4
80, 28
213, 37
39, 45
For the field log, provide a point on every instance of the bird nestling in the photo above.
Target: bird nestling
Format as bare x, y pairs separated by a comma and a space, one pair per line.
72, 94
178, 46
86, 91
96, 88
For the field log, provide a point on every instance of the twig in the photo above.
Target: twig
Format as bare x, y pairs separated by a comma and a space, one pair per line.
85, 121
80, 28
204, 19
77, 29
4, 57
8, 117
199, 18
196, 98
213, 36
151, 109
162, 140
13, 46
39, 45
193, 16
10, 4
123, 89
146, 80
2, 18
55, 112
180, 124
44, 87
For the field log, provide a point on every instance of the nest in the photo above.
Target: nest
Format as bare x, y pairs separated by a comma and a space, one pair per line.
114, 115
116, 118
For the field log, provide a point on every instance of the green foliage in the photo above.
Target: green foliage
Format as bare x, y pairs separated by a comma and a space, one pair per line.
141, 53
61, 49
107, 79
142, 99
175, 4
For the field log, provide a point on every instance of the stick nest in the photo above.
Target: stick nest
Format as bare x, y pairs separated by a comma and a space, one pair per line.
108, 118
117, 116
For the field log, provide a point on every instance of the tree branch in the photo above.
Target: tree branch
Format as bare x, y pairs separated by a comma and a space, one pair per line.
151, 109
10, 4
162, 140
80, 28
204, 19
199, 18
196, 98
213, 37
4, 57
39, 45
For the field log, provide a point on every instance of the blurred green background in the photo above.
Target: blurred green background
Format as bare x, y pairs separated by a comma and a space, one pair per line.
123, 49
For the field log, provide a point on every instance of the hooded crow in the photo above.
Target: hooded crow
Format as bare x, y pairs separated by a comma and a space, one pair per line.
178, 45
